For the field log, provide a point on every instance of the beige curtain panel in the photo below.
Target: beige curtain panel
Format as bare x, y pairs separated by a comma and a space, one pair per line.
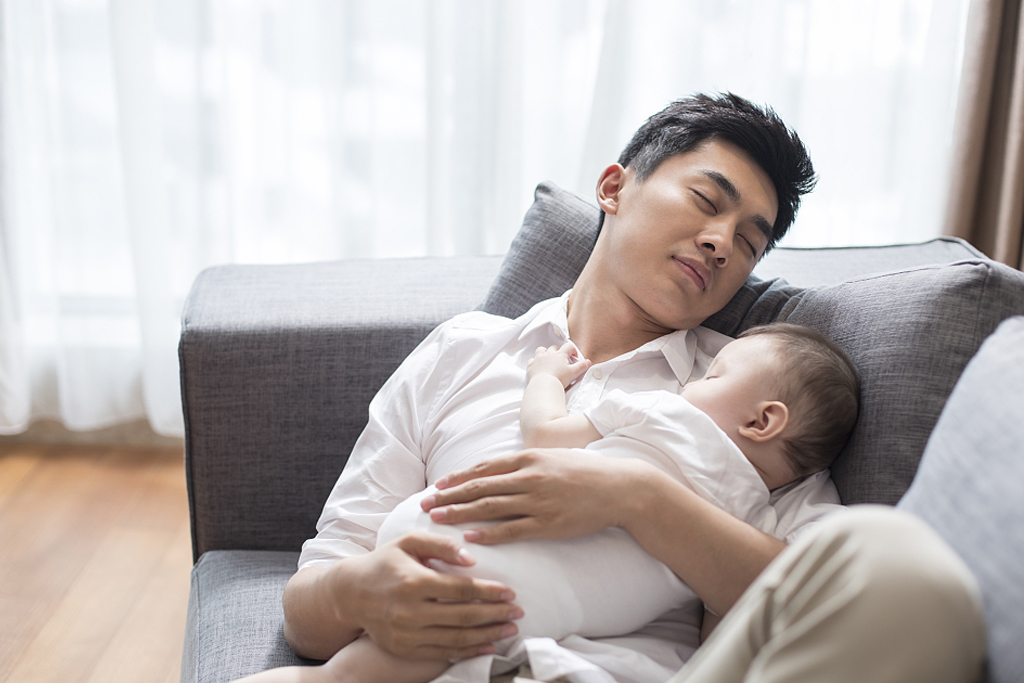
986, 201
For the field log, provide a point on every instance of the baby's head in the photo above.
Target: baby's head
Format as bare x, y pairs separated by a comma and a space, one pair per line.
786, 395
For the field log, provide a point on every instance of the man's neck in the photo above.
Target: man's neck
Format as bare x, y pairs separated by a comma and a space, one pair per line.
603, 324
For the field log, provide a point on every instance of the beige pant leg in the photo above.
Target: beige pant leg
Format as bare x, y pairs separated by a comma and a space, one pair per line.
871, 595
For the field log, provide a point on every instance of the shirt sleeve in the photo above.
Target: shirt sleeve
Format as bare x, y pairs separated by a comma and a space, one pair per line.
386, 464
801, 506
617, 409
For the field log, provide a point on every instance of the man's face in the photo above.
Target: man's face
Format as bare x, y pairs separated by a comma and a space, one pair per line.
680, 244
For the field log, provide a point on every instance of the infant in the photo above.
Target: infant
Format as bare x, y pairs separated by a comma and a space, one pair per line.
775, 406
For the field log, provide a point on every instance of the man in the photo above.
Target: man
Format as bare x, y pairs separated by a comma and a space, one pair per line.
702, 191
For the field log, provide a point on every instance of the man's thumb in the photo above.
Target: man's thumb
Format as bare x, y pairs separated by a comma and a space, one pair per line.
424, 546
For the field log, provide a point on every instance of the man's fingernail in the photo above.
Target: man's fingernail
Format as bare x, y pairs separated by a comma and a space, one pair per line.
487, 649
466, 557
442, 482
472, 536
515, 613
427, 503
507, 595
438, 514
509, 630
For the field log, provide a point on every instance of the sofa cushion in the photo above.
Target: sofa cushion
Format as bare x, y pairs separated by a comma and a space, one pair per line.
235, 621
969, 488
909, 328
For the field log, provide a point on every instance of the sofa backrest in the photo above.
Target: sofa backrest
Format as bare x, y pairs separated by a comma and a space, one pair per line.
909, 328
278, 365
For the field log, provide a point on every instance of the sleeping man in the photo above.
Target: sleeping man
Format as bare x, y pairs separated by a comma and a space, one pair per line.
775, 407
703, 190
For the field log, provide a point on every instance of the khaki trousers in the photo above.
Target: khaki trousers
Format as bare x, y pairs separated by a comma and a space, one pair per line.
871, 595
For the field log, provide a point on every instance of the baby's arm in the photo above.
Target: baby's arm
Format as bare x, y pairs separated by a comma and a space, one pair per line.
542, 416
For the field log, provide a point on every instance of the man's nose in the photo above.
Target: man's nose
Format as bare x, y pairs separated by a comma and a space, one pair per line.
715, 241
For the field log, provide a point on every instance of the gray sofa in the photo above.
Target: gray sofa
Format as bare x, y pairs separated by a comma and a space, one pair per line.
278, 364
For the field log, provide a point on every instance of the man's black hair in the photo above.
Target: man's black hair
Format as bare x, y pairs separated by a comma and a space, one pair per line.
758, 131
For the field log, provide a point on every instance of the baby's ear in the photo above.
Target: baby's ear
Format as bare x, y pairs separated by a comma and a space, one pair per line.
769, 421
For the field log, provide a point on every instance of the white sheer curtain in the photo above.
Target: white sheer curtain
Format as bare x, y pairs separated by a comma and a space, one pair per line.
146, 139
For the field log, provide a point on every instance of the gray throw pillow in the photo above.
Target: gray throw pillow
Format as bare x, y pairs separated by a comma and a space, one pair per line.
547, 254
969, 488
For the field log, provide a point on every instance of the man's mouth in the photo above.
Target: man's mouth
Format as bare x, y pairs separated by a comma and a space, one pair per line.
696, 270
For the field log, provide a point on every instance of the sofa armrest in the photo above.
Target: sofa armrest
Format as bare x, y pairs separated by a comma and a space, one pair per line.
278, 366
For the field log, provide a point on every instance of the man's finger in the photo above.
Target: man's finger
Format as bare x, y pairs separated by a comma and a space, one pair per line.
434, 652
471, 615
513, 530
484, 509
474, 490
463, 589
487, 468
425, 546
454, 638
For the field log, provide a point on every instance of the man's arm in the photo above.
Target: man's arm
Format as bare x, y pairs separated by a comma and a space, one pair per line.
313, 626
713, 552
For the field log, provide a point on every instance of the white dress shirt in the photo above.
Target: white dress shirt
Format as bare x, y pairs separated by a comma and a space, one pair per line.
455, 401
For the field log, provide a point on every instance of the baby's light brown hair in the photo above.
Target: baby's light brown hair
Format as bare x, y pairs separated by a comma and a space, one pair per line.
819, 385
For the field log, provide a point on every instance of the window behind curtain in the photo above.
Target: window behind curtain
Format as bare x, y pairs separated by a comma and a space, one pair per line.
146, 139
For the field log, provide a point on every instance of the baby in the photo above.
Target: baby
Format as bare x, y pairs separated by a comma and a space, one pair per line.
775, 405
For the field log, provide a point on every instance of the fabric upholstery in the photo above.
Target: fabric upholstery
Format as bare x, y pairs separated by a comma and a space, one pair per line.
810, 267
969, 488
546, 255
235, 622
278, 364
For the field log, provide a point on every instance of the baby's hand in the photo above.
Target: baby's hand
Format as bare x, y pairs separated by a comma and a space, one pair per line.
563, 363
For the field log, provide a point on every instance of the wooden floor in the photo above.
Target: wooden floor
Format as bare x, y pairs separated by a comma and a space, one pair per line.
94, 564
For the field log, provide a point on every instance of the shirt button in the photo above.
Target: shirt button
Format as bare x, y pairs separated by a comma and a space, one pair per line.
596, 373
559, 334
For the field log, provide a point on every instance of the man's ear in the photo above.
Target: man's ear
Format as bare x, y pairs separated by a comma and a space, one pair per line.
768, 421
609, 184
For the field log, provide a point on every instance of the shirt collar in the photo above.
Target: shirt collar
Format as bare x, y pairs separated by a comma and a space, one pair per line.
680, 348
554, 314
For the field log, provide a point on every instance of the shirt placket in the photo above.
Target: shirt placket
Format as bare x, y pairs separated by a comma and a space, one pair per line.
589, 389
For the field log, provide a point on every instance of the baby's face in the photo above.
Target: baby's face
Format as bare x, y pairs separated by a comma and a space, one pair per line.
738, 381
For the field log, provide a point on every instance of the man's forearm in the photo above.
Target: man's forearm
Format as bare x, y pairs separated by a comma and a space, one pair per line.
714, 553
312, 625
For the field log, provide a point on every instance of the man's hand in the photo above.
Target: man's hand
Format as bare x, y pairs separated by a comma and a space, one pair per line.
416, 612
406, 607
540, 493
565, 363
